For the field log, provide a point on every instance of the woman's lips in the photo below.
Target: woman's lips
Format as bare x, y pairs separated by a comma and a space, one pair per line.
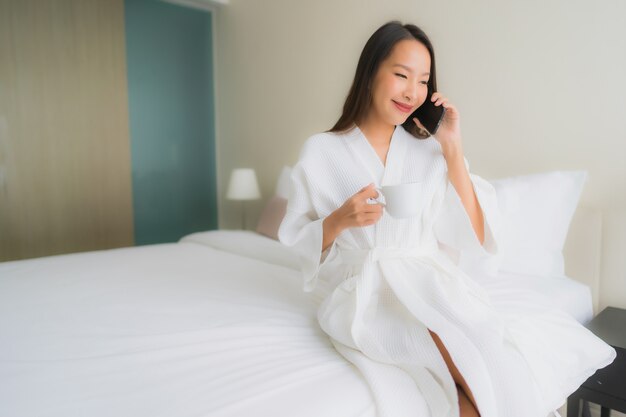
402, 108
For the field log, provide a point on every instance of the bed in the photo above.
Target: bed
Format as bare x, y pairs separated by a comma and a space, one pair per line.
216, 324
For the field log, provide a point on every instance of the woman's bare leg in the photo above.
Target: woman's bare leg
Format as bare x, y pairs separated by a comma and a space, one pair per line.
456, 375
466, 407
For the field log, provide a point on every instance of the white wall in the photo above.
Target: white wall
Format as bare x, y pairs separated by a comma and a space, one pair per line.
540, 86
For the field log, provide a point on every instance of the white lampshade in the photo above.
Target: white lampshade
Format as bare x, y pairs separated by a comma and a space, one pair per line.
243, 185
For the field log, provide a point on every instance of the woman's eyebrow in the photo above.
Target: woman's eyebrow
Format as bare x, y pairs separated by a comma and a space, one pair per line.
409, 69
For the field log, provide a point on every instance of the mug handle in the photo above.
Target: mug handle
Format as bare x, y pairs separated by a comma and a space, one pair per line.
375, 200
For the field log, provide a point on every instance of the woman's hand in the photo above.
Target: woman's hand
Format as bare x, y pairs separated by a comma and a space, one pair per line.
449, 132
356, 211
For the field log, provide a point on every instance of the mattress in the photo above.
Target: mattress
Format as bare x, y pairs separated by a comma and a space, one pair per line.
166, 330
214, 325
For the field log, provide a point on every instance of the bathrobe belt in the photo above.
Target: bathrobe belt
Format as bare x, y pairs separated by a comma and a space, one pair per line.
368, 258
366, 286
359, 256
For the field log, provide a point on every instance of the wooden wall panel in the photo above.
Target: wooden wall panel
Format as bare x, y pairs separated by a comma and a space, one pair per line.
65, 179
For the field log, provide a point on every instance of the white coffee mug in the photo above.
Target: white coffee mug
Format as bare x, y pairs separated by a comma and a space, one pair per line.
401, 201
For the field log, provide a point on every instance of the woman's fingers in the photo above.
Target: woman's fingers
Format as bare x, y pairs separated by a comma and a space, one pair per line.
369, 191
362, 218
371, 218
441, 100
418, 123
364, 213
373, 208
438, 98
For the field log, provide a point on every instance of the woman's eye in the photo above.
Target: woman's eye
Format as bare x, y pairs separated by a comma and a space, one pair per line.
404, 76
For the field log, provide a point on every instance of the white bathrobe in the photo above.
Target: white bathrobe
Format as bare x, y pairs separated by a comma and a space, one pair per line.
383, 286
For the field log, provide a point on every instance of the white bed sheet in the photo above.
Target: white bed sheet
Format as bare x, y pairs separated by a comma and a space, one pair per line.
216, 325
166, 330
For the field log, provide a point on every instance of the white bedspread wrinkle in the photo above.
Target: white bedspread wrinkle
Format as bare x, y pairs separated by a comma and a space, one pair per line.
358, 256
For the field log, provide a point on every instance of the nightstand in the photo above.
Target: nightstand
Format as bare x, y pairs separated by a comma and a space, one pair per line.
607, 387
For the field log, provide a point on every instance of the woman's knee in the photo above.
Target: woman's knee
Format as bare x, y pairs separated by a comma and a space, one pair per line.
466, 407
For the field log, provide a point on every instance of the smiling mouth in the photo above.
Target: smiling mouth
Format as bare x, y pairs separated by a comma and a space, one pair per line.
402, 107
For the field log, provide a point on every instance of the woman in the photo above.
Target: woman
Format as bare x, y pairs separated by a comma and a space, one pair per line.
397, 303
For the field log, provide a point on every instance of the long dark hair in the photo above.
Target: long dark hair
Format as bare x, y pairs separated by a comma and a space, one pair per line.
376, 50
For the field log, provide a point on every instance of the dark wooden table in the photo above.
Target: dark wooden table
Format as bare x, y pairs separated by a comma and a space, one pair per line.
607, 387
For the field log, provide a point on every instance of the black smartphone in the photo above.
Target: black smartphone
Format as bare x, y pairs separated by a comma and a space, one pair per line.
429, 115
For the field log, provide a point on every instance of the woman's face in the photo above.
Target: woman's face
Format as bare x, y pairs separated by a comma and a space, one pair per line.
401, 78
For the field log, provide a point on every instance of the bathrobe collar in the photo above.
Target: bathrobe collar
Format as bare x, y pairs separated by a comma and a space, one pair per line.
390, 173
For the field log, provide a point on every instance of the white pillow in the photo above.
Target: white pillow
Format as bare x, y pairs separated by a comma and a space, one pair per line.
282, 185
247, 243
536, 213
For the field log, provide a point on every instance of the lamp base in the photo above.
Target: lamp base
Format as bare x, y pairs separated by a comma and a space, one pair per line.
243, 214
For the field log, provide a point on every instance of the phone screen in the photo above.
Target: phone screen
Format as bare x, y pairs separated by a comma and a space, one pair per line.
429, 115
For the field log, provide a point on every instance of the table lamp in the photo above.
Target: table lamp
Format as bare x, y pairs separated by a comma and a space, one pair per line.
243, 186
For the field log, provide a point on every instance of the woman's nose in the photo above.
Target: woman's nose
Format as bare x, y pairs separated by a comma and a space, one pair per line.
411, 94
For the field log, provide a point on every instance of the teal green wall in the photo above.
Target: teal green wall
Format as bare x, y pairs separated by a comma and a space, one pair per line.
171, 104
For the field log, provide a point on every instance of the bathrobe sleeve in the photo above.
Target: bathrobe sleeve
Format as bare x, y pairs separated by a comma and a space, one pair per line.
302, 228
453, 227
